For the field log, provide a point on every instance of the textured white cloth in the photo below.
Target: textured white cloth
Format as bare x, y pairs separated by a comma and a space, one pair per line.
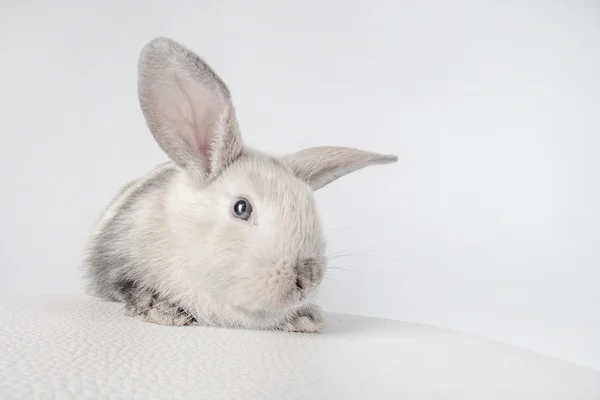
70, 347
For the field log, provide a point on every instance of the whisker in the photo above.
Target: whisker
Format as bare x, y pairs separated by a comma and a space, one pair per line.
336, 271
262, 264
338, 281
340, 228
120, 311
347, 268
307, 281
151, 307
363, 255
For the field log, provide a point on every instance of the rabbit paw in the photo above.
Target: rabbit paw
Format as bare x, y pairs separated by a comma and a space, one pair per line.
307, 320
148, 308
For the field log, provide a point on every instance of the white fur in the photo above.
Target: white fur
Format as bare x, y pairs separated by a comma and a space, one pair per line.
169, 245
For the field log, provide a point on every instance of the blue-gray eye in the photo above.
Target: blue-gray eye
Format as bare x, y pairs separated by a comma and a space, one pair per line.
242, 209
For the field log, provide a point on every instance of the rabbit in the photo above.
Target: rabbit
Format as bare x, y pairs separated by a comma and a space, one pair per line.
221, 235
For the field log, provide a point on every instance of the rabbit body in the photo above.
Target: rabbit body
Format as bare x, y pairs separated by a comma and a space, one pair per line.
221, 235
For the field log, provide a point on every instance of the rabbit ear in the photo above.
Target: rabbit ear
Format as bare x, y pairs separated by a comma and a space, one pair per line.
319, 166
187, 108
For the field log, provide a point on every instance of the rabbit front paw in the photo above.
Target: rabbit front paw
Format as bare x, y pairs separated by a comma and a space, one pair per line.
149, 308
307, 320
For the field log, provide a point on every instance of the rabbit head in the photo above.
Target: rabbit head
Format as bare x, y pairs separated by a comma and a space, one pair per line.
245, 222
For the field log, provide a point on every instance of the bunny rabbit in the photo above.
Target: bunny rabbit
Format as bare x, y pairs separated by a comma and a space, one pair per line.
222, 234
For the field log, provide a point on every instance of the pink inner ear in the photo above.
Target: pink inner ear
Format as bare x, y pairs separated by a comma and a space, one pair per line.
191, 111
197, 112
204, 151
201, 125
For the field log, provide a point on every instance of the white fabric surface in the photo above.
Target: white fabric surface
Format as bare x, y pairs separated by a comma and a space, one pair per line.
64, 347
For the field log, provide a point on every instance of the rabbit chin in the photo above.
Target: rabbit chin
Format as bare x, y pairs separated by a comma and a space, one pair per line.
280, 286
269, 298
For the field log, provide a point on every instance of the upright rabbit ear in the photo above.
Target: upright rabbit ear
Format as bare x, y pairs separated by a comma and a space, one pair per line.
319, 166
187, 108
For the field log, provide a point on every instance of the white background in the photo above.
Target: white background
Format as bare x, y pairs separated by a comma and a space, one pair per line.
489, 222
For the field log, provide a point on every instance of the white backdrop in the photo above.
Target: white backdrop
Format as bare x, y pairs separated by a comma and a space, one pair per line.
488, 224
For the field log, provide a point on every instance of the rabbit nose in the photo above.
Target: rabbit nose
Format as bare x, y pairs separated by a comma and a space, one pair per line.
299, 283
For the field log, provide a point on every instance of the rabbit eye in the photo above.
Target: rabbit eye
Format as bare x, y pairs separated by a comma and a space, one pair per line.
242, 209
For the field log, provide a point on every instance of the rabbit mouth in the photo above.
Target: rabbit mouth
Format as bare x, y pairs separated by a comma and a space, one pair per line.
304, 290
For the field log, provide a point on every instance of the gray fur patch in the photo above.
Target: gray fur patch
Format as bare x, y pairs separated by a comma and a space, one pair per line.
110, 267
